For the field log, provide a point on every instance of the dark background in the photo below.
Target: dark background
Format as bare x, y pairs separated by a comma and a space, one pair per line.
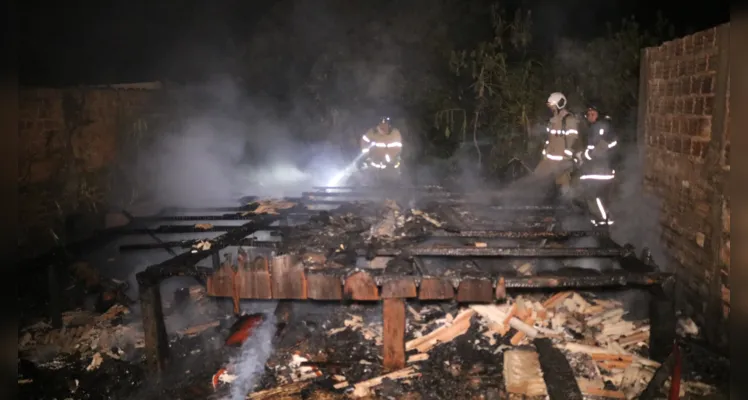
95, 42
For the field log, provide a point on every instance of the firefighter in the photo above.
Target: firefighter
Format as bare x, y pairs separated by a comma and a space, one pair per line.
597, 172
561, 146
382, 146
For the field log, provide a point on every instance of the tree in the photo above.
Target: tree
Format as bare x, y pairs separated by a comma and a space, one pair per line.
606, 69
502, 83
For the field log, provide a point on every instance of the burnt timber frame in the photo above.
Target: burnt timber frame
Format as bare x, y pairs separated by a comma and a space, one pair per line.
259, 270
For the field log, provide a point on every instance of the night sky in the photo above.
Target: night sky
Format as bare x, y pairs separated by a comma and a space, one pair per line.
92, 42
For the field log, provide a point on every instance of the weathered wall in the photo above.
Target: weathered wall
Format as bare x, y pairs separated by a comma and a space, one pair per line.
684, 124
68, 142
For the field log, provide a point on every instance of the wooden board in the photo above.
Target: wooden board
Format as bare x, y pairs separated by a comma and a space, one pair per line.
436, 289
404, 288
474, 290
323, 286
220, 284
393, 317
360, 286
288, 277
254, 276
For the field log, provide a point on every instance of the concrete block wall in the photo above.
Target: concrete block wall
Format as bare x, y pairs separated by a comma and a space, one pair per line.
686, 148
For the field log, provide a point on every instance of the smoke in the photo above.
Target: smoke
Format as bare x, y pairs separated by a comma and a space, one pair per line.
221, 146
636, 213
249, 366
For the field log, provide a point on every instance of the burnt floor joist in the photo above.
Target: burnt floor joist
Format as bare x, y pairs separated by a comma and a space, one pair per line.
185, 264
243, 268
187, 244
520, 234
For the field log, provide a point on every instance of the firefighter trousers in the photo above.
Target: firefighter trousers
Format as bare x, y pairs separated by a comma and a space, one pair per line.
559, 171
597, 196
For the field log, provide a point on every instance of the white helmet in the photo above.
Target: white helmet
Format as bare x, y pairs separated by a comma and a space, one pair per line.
557, 99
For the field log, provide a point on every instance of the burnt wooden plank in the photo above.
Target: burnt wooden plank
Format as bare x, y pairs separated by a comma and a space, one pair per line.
323, 286
436, 289
154, 327
404, 287
399, 279
220, 283
288, 277
360, 286
434, 284
557, 373
475, 290
254, 276
393, 317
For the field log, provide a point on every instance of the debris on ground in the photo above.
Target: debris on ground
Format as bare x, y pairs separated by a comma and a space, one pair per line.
270, 206
83, 333
479, 351
452, 352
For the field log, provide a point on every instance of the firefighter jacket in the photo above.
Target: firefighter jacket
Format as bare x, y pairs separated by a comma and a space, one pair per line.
563, 136
602, 145
382, 148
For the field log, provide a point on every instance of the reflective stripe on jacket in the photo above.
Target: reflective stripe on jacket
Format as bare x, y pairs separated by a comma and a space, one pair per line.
602, 144
382, 146
563, 135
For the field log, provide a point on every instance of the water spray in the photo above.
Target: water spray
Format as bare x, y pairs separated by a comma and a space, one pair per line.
347, 171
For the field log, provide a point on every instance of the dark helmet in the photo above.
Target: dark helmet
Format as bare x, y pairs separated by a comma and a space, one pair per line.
384, 120
592, 105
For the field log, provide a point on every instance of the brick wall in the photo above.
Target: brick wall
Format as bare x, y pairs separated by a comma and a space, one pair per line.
68, 139
683, 166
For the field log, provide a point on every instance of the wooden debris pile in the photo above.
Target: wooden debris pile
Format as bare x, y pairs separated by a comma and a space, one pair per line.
604, 349
83, 333
370, 331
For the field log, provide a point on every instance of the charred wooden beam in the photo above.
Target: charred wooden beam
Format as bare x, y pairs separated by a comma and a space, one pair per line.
175, 229
426, 188
652, 391
557, 373
174, 210
374, 193
532, 234
154, 327
222, 217
186, 244
538, 252
663, 320
153, 236
149, 282
592, 280
179, 229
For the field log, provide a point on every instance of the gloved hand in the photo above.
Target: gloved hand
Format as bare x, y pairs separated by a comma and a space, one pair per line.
578, 159
362, 163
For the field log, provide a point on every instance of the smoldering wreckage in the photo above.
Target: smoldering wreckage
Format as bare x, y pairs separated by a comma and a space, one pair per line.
445, 296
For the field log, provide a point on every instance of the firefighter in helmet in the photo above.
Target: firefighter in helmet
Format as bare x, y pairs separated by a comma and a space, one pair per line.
381, 146
561, 145
596, 172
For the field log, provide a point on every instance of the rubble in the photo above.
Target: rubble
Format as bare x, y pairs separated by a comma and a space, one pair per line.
368, 253
442, 344
83, 333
